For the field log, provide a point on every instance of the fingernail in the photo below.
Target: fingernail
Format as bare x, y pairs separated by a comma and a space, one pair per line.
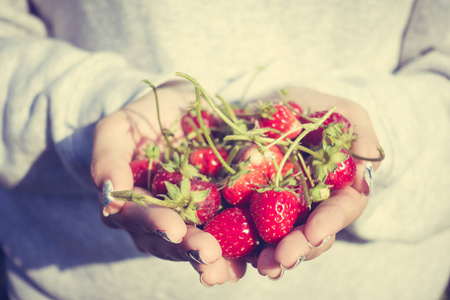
299, 261
106, 196
204, 284
163, 235
320, 244
278, 277
195, 255
368, 176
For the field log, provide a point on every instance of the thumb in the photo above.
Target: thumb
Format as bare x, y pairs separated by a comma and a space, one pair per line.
111, 174
110, 166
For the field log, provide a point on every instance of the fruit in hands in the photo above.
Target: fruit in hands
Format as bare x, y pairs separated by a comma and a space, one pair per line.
206, 160
140, 171
296, 109
274, 212
336, 168
260, 204
209, 206
303, 209
235, 231
161, 177
189, 121
196, 201
240, 188
266, 162
314, 138
280, 118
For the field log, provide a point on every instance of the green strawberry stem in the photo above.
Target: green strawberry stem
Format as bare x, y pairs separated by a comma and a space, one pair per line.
265, 140
211, 103
207, 135
143, 200
234, 151
297, 141
164, 133
151, 152
197, 132
227, 106
303, 165
379, 158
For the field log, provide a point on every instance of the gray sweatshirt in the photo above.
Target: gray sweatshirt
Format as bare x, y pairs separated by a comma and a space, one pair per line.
66, 64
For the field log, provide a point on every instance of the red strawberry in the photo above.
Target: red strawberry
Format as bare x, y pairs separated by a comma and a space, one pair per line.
189, 119
139, 168
280, 118
233, 228
296, 109
173, 172
240, 187
195, 201
208, 207
274, 213
243, 114
206, 160
303, 210
314, 138
337, 169
262, 161
162, 176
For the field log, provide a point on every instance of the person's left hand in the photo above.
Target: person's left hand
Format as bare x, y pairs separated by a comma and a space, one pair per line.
344, 206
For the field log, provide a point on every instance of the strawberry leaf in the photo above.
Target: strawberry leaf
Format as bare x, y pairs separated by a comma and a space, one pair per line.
173, 191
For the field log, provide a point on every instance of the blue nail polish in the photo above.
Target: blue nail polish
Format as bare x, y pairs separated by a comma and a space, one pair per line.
368, 175
106, 195
195, 255
163, 235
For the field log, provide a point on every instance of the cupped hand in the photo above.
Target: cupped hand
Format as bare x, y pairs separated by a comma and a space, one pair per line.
159, 231
344, 206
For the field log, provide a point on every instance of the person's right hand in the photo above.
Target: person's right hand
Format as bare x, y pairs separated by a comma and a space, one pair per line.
155, 230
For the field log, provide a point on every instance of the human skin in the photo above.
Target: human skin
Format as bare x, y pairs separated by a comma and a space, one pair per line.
118, 139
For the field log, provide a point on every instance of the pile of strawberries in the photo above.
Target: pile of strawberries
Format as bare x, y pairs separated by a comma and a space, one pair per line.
247, 174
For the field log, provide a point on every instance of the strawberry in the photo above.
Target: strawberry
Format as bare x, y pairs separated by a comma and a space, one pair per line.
266, 162
274, 211
206, 160
240, 187
235, 231
209, 206
314, 138
303, 209
161, 177
190, 119
280, 118
262, 161
173, 172
140, 167
140, 171
335, 167
296, 109
196, 201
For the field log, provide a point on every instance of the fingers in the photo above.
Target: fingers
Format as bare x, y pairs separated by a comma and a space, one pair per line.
202, 246
309, 241
149, 220
289, 253
332, 215
221, 271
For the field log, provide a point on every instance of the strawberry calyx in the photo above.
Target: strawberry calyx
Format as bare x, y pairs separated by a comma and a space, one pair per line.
326, 161
180, 199
180, 163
